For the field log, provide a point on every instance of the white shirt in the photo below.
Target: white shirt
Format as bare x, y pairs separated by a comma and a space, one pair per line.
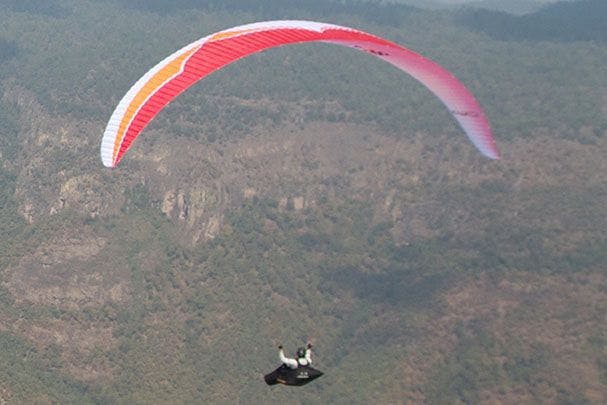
292, 363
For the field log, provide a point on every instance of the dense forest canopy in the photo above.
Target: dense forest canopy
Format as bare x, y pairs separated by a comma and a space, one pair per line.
494, 76
582, 20
389, 14
8, 50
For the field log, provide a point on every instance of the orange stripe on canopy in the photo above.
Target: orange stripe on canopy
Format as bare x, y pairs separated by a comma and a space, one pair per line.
154, 84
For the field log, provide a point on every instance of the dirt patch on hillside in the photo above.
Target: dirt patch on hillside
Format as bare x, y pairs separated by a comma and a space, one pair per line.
60, 273
528, 311
83, 347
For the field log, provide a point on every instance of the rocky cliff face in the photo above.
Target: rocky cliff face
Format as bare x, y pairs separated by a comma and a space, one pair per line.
194, 183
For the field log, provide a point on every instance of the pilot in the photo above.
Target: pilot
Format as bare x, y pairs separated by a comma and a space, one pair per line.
304, 357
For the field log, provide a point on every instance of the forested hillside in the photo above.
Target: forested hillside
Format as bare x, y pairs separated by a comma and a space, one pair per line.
582, 20
309, 192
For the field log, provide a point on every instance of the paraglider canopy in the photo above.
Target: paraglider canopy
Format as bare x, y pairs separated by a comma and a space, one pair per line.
165, 81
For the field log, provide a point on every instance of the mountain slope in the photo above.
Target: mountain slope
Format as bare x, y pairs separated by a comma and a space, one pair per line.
308, 193
581, 20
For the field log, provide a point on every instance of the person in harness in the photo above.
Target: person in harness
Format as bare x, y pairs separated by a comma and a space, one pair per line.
297, 371
304, 357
